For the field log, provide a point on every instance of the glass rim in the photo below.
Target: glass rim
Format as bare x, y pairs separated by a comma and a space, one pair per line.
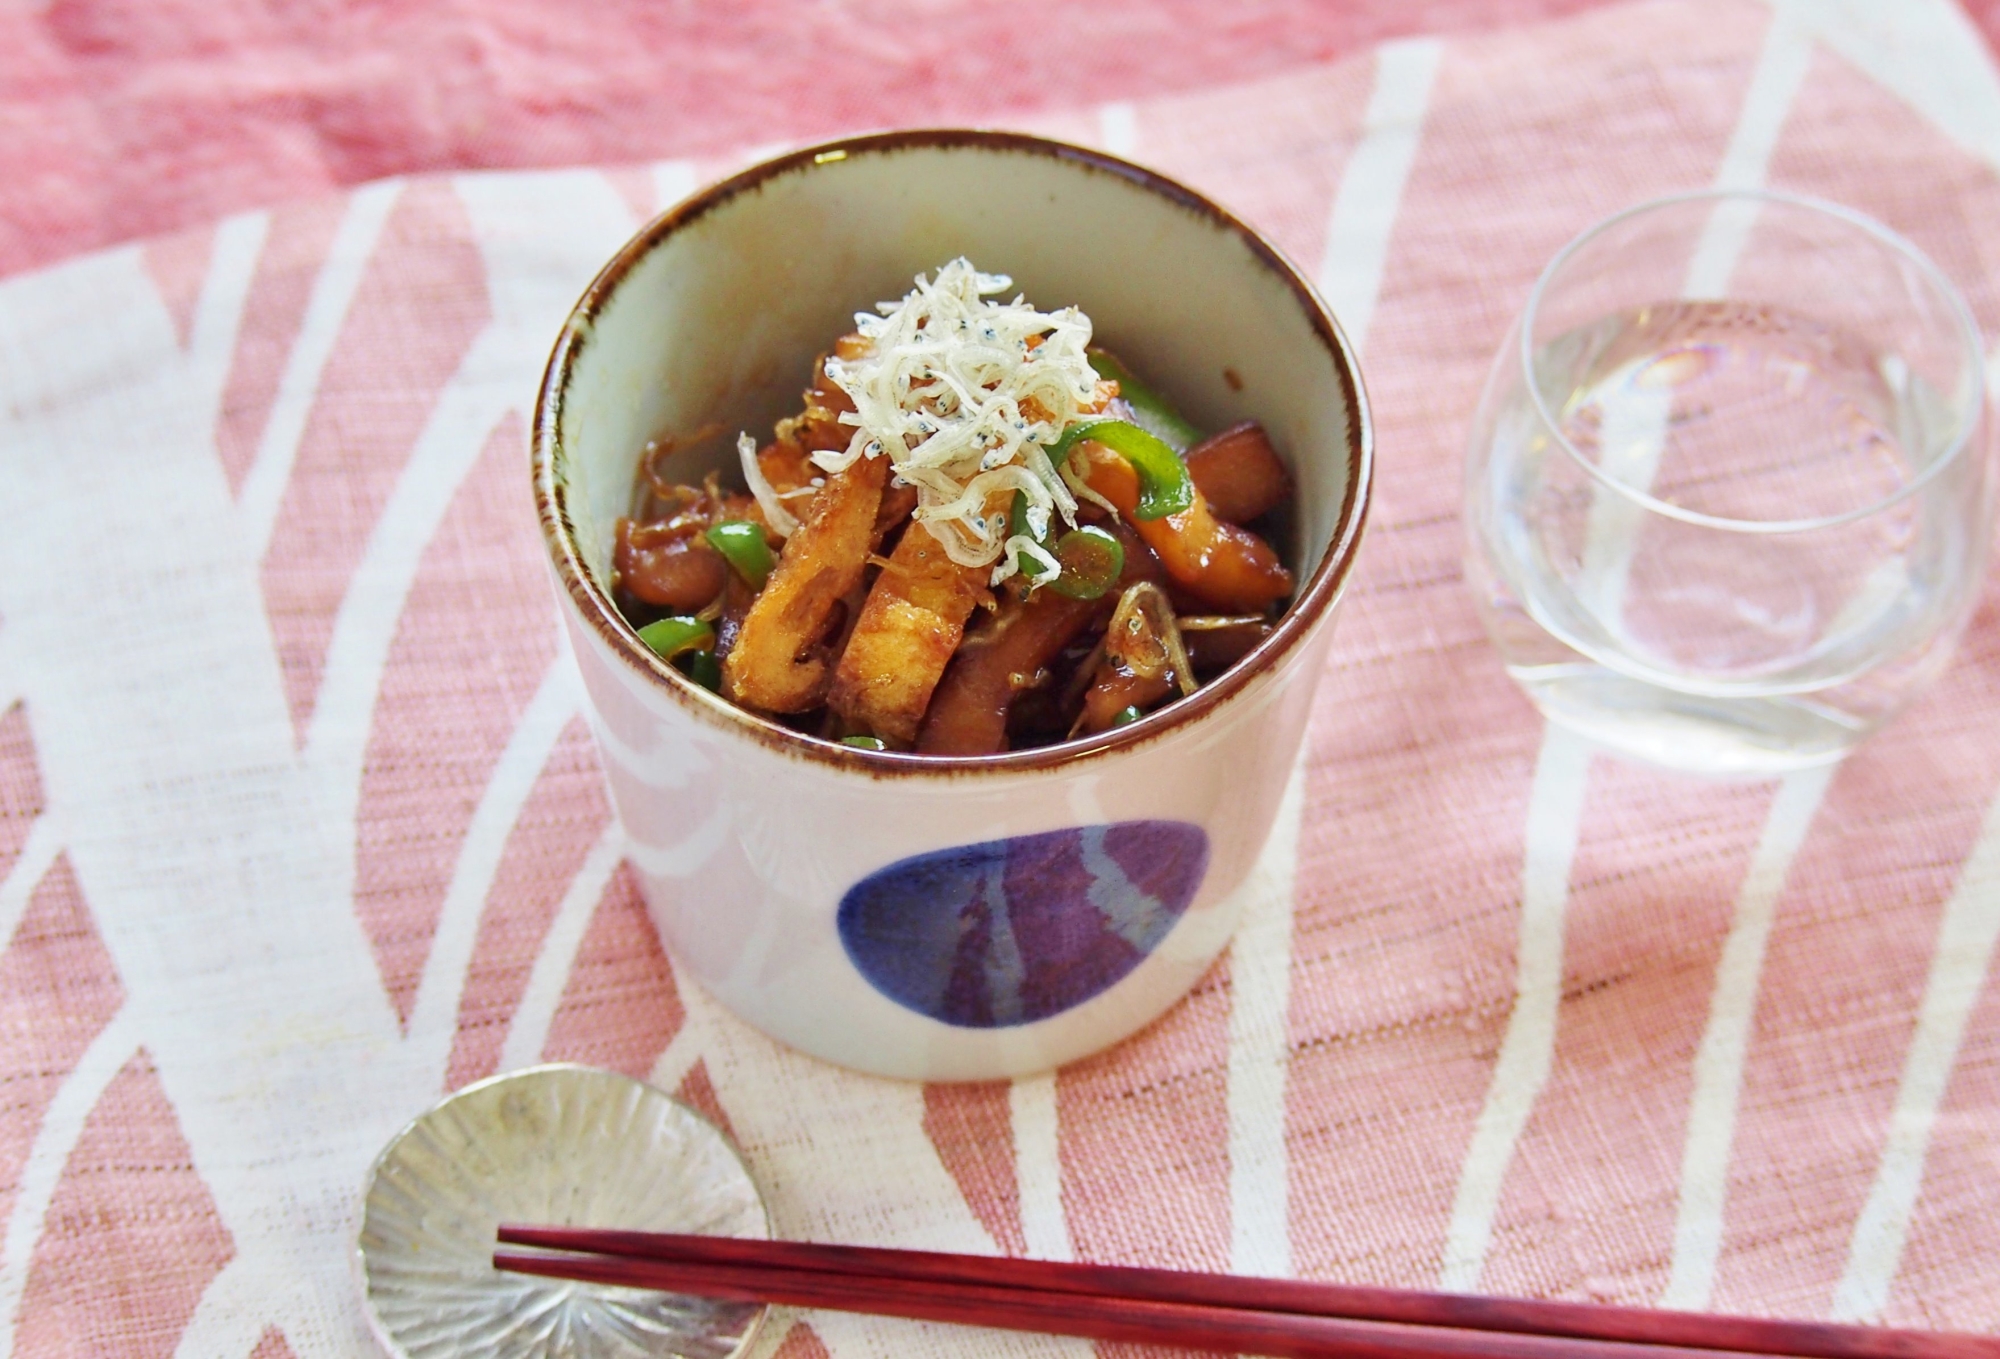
1961, 311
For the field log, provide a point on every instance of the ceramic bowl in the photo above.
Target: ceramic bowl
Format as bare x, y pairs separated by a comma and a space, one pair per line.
920, 916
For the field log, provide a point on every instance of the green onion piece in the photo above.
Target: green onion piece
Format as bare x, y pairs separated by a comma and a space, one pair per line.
1032, 571
1164, 485
671, 636
1127, 716
742, 543
863, 742
1155, 413
1092, 561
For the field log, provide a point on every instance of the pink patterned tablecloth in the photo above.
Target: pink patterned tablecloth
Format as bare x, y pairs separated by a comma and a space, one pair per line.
127, 118
300, 826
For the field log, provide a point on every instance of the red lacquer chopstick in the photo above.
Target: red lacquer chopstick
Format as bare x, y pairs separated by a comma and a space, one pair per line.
1227, 1330
1508, 1319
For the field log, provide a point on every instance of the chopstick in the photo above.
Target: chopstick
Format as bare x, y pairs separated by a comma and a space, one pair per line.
1280, 1335
1277, 1317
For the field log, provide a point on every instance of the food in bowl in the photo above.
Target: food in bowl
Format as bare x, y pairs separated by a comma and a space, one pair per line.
926, 916
981, 533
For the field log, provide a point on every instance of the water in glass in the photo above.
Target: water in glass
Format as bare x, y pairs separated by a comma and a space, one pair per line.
1729, 535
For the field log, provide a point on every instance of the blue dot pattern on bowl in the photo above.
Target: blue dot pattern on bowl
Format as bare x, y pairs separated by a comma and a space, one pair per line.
1011, 931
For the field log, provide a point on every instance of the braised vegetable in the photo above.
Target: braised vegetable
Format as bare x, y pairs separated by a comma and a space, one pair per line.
1216, 642
1150, 411
1011, 654
688, 644
1221, 564
703, 669
666, 565
1164, 485
1092, 560
667, 561
1239, 473
671, 636
1040, 564
1043, 512
730, 610
742, 543
1084, 562
1141, 662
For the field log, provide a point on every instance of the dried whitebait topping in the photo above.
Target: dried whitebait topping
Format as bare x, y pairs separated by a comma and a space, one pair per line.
962, 394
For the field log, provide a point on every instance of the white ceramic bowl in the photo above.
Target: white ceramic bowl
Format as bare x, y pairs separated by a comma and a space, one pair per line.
919, 916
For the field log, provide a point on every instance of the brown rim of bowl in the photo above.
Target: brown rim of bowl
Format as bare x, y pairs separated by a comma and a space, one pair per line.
1310, 603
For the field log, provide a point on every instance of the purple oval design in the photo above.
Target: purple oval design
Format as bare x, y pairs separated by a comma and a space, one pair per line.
1011, 931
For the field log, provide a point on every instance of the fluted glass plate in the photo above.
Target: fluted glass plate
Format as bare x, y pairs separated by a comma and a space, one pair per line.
566, 1145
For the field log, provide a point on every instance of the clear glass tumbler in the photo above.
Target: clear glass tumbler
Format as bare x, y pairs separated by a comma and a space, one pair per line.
1728, 493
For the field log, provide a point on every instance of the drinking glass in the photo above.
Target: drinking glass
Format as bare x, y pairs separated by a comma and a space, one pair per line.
1728, 493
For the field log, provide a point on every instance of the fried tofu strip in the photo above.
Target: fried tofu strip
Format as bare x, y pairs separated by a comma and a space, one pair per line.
909, 629
779, 662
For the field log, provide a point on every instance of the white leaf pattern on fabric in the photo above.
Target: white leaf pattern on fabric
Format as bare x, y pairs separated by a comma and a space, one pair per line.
1320, 1125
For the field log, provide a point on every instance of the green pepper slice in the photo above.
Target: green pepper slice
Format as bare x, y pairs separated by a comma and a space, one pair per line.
1092, 561
864, 742
1155, 413
1127, 716
742, 544
1164, 484
702, 668
671, 636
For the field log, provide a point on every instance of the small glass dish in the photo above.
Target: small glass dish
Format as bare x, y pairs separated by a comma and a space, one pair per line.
558, 1144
